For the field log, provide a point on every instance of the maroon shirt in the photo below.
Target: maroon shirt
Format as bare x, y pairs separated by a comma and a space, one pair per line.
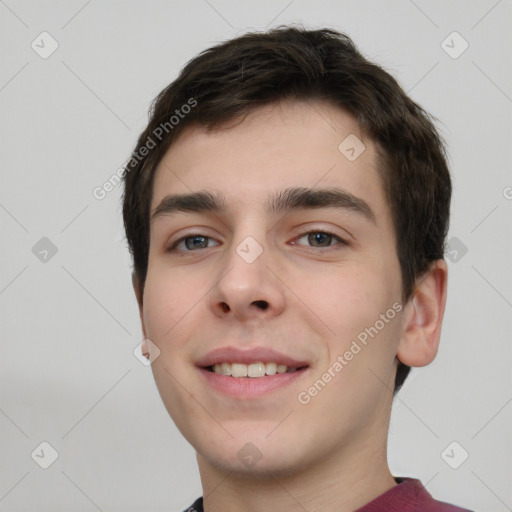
408, 496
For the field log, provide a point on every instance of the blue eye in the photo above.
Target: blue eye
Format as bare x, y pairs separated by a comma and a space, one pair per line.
321, 237
198, 242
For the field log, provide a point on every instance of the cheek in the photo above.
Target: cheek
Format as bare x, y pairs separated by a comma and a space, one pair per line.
348, 300
360, 347
351, 304
169, 296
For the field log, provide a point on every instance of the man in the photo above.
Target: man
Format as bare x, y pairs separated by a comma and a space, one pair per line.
286, 209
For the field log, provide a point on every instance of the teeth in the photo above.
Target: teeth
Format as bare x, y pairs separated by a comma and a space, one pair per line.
238, 370
270, 368
226, 369
256, 370
223, 369
253, 370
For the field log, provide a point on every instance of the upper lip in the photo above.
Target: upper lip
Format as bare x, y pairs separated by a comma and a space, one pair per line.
248, 356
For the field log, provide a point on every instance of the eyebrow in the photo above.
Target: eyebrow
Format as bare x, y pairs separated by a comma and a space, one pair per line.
290, 199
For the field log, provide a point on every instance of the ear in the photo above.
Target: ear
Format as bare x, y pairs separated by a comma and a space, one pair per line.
139, 294
423, 317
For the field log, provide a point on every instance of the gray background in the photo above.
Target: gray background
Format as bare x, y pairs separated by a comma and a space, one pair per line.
70, 323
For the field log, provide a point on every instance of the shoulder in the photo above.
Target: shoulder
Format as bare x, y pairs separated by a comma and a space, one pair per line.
197, 506
409, 495
422, 499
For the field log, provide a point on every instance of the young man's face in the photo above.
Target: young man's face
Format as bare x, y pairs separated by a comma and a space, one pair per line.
249, 277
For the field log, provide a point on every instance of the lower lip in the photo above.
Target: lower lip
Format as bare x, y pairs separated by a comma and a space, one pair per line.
250, 387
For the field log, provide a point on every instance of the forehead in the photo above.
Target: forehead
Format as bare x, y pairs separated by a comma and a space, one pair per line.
291, 144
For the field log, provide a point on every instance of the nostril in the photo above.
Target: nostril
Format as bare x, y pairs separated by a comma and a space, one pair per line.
263, 304
225, 307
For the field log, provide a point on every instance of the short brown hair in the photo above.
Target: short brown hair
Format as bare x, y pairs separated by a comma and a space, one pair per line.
231, 79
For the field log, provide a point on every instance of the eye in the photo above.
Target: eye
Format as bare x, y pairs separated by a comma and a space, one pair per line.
194, 241
198, 241
323, 238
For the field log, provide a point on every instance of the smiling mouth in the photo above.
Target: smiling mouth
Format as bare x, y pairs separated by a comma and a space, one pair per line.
252, 370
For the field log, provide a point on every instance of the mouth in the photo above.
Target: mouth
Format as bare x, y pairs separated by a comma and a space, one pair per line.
255, 370
249, 373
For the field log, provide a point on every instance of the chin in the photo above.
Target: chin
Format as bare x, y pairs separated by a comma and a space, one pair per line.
263, 469
258, 459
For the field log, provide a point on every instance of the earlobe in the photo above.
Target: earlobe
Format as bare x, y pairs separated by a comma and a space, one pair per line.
423, 317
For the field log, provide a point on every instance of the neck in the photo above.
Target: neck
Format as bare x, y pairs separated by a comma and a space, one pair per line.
349, 478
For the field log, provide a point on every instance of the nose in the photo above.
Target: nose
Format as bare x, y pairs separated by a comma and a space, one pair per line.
247, 288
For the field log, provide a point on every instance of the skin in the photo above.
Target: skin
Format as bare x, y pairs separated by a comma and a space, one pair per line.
329, 454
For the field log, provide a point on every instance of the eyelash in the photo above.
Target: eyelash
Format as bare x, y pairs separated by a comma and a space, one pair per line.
192, 235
